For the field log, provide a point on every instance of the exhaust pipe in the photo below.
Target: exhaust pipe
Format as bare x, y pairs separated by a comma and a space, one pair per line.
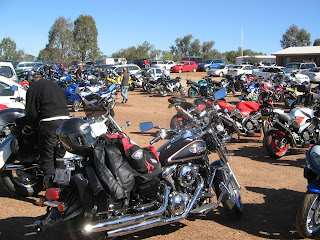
232, 123
143, 223
11, 167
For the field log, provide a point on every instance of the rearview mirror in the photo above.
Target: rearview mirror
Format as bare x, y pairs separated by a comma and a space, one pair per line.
145, 126
14, 88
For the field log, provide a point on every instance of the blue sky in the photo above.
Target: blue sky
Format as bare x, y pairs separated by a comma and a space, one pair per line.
125, 23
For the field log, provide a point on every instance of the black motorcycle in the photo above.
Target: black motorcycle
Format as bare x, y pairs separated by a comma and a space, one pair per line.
170, 86
116, 188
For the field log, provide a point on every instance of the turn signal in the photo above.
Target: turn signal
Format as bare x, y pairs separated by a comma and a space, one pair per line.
52, 194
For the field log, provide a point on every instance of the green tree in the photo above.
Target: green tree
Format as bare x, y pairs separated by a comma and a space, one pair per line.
316, 42
85, 36
295, 37
8, 50
61, 39
181, 47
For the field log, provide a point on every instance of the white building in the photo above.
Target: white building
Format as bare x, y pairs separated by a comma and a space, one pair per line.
259, 58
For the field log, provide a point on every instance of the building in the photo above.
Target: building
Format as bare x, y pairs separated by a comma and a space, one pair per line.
259, 58
291, 54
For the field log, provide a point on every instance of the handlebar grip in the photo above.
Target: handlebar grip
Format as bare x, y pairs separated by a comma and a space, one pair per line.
156, 139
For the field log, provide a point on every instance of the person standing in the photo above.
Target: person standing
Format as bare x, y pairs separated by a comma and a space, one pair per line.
46, 110
124, 84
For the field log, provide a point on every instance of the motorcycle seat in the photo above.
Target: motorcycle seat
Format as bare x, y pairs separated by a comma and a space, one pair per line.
178, 100
283, 117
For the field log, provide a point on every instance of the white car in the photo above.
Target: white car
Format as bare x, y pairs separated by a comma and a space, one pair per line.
220, 71
237, 70
268, 72
7, 93
313, 74
154, 72
167, 64
7, 70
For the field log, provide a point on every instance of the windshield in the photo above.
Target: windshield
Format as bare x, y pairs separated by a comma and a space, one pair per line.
237, 67
179, 63
315, 69
286, 70
292, 65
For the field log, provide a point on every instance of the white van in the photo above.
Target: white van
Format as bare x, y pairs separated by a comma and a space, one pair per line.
7, 70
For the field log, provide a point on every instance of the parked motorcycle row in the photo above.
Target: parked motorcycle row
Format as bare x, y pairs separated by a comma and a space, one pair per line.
111, 187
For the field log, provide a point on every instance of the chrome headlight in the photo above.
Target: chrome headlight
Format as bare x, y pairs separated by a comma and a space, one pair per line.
313, 158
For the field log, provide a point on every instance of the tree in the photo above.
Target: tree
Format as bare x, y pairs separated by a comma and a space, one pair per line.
8, 50
295, 37
85, 36
316, 42
61, 39
182, 47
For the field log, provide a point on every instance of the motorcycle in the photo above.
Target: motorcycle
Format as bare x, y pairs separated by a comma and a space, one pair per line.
167, 86
307, 218
205, 87
300, 128
251, 93
177, 180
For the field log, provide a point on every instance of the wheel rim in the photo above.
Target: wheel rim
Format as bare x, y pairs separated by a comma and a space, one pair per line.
277, 145
221, 74
180, 70
192, 92
313, 220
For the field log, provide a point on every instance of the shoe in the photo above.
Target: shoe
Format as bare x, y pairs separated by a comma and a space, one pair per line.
48, 181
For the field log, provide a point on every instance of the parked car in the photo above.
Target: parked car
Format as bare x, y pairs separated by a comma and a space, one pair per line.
25, 66
154, 72
132, 68
211, 63
237, 70
301, 67
167, 64
7, 70
184, 66
219, 71
7, 95
313, 74
268, 72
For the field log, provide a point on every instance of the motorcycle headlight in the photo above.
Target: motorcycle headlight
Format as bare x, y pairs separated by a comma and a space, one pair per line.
313, 158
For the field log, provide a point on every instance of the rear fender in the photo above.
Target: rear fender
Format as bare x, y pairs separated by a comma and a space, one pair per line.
5, 150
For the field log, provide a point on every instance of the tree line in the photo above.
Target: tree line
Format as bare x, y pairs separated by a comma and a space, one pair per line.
69, 41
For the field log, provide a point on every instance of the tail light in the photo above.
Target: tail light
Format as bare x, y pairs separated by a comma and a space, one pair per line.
170, 100
188, 81
52, 193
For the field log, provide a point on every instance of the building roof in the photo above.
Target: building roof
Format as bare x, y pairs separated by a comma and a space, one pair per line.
306, 50
259, 57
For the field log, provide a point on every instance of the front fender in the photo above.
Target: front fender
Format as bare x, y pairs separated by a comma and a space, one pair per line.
5, 150
314, 186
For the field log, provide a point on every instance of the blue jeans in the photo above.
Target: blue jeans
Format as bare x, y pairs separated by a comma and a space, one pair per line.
124, 91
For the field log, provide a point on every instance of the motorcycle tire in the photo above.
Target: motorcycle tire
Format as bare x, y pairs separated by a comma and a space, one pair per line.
177, 120
271, 141
182, 91
232, 205
77, 105
22, 183
307, 219
131, 87
163, 92
192, 92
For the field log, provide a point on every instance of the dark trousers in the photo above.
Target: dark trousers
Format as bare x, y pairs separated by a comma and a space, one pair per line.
48, 146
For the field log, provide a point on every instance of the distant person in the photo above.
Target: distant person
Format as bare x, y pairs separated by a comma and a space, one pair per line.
124, 84
145, 63
79, 73
52, 70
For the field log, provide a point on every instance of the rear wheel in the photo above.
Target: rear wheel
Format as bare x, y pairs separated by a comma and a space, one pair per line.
77, 105
232, 205
163, 92
131, 87
192, 92
308, 215
221, 74
22, 182
275, 144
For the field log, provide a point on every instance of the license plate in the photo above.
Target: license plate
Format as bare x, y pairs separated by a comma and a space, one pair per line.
62, 175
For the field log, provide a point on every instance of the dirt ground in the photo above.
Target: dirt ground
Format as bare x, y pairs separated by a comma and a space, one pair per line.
271, 189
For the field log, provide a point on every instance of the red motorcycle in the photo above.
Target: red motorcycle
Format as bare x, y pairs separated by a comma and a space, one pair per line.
246, 119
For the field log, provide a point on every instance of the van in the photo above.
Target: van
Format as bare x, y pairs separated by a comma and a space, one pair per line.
105, 61
120, 61
7, 70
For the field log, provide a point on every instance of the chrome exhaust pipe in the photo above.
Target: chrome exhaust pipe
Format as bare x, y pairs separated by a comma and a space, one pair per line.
11, 167
233, 124
157, 221
102, 225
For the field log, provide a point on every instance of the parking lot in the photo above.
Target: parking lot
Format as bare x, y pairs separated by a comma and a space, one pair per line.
271, 189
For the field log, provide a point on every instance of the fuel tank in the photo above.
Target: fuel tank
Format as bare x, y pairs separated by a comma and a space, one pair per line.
184, 149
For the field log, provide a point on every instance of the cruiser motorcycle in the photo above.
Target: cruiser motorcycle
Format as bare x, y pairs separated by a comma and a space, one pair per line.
307, 218
300, 128
138, 188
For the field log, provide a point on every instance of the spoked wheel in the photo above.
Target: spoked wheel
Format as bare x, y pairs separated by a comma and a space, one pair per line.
177, 120
77, 105
182, 91
275, 144
24, 182
308, 215
192, 92
163, 92
233, 204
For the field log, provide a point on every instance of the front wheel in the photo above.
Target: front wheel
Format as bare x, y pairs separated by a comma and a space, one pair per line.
192, 92
194, 70
275, 144
232, 205
180, 70
163, 92
182, 91
131, 87
22, 182
77, 105
308, 215
221, 74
